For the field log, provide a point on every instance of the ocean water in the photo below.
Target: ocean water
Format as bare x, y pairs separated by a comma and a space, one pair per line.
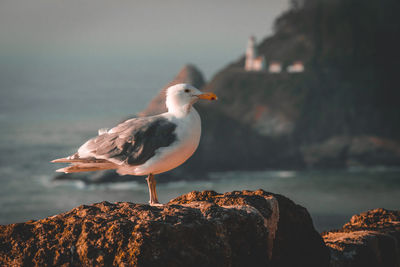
48, 110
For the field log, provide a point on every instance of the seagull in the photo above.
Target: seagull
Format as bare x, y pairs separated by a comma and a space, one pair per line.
145, 145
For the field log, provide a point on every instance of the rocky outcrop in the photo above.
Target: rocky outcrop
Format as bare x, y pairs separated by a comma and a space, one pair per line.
346, 151
370, 239
197, 229
296, 242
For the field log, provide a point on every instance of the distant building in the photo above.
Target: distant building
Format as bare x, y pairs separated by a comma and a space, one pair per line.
253, 61
296, 67
275, 67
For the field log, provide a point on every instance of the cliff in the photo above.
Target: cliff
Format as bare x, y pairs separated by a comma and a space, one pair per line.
340, 112
370, 239
197, 229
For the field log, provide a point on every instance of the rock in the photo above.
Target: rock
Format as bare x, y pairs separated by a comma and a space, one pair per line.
330, 153
373, 150
197, 229
370, 239
296, 242
357, 151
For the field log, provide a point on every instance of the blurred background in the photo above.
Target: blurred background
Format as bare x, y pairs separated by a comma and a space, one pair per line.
309, 107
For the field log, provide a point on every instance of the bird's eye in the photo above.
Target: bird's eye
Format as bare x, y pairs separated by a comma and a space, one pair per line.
187, 90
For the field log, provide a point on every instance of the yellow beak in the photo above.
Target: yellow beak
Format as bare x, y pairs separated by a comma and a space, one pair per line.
208, 96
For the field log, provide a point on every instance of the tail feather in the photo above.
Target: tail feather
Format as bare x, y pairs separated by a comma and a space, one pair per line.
87, 167
84, 164
73, 160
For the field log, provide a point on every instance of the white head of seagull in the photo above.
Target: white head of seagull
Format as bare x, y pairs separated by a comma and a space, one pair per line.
181, 97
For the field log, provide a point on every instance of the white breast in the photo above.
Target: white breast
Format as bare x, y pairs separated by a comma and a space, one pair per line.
188, 133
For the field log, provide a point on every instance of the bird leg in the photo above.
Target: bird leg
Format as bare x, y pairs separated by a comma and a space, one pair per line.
151, 182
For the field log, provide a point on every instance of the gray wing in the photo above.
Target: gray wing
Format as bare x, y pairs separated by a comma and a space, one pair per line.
133, 141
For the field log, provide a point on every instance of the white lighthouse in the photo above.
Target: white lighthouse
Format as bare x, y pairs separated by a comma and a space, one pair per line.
253, 61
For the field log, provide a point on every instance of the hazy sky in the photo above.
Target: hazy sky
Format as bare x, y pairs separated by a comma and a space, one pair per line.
208, 33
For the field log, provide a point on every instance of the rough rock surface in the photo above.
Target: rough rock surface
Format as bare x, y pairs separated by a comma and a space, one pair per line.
370, 239
197, 229
296, 242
